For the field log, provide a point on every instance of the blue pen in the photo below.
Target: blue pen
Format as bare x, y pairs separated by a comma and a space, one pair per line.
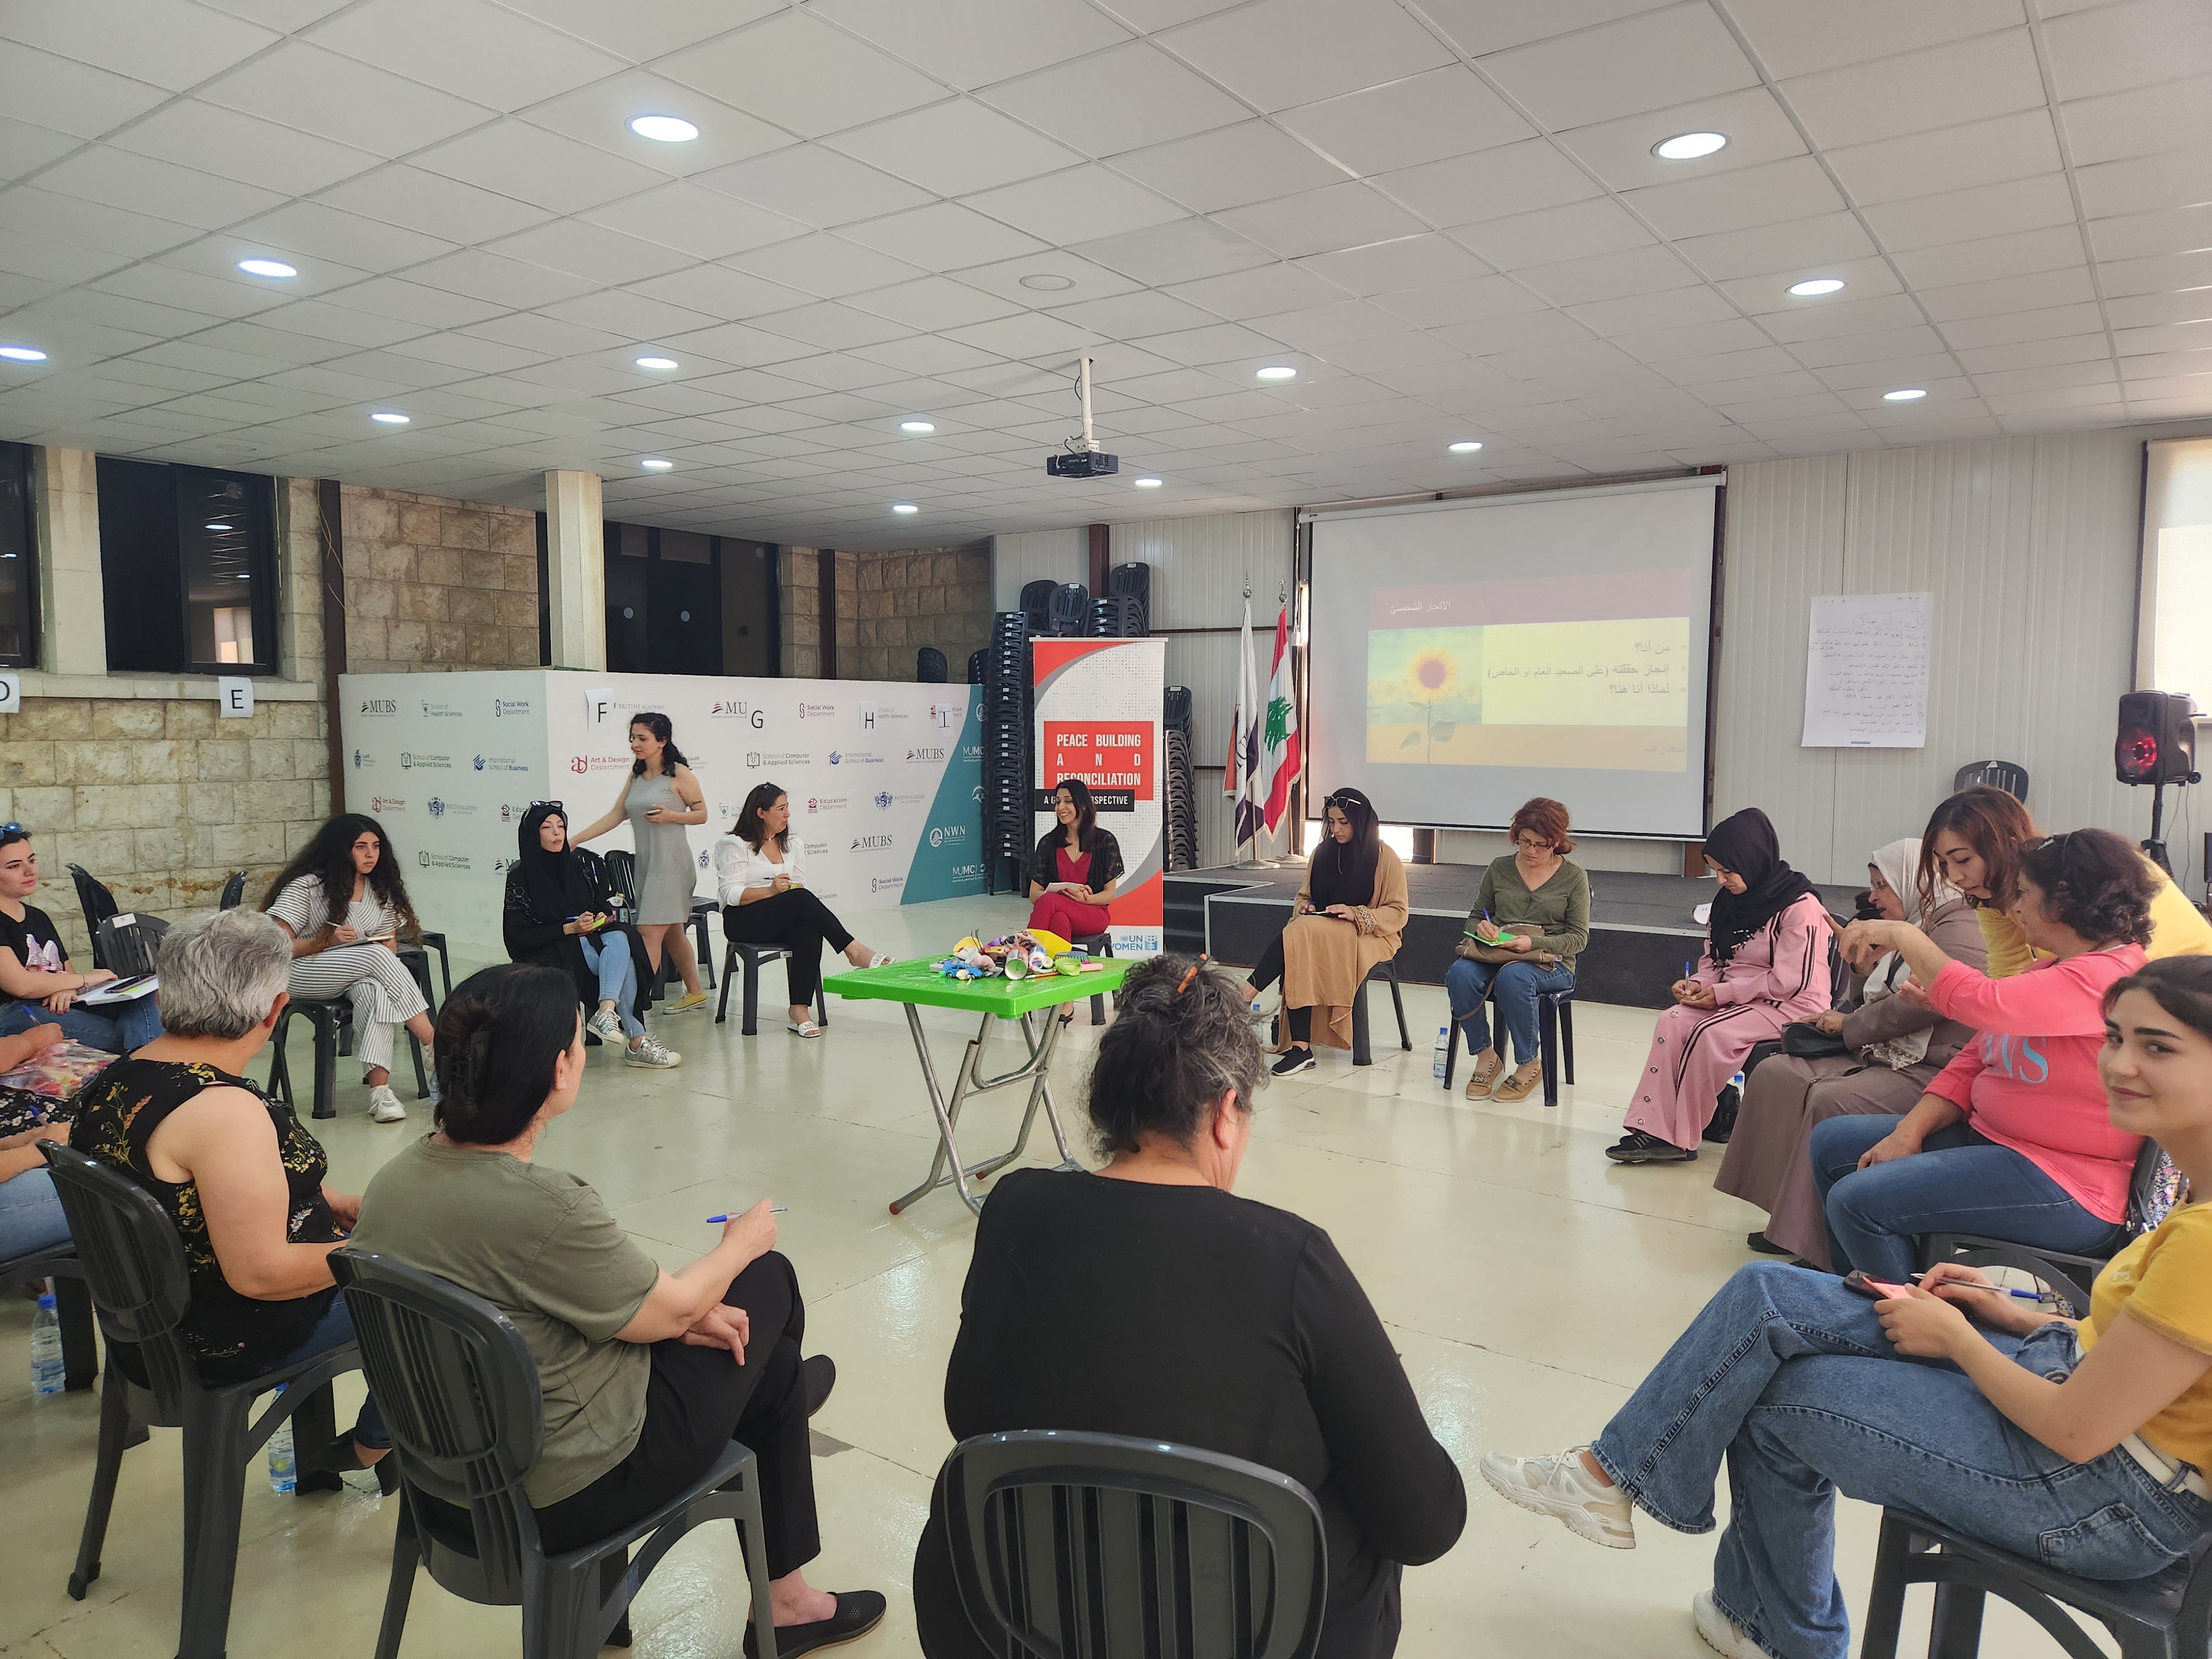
1999, 1290
778, 1210
1689, 970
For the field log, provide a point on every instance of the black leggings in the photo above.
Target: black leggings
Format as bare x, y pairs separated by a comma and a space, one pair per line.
1271, 970
796, 920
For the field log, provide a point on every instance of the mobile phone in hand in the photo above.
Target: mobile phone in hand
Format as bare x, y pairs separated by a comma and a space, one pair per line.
1882, 1289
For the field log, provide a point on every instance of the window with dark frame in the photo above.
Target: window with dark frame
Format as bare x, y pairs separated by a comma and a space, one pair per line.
188, 562
19, 561
682, 602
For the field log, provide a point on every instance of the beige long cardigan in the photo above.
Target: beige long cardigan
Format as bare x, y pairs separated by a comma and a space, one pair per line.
1325, 959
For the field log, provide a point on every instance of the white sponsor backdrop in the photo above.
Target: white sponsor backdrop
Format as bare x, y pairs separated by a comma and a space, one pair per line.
884, 777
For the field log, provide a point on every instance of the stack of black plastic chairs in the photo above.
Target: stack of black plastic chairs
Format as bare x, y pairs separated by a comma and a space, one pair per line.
1008, 812
1124, 610
1182, 817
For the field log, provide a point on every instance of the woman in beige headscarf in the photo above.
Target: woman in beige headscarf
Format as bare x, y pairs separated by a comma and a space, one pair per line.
1893, 1047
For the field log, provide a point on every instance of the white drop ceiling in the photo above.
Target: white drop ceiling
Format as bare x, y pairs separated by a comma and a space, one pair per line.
1444, 215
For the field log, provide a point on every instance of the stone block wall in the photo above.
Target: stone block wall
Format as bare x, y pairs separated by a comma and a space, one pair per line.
888, 606
434, 585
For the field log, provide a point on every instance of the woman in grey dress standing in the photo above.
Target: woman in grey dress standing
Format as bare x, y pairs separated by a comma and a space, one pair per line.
658, 798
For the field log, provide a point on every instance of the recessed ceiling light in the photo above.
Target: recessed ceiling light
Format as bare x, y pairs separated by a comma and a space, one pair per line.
1912, 394
1147, 484
1046, 282
663, 128
904, 507
654, 464
266, 268
656, 362
1465, 446
23, 353
1277, 371
218, 526
388, 418
917, 426
1689, 146
1812, 285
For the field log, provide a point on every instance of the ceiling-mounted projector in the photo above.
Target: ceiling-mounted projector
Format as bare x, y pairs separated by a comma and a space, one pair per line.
1081, 458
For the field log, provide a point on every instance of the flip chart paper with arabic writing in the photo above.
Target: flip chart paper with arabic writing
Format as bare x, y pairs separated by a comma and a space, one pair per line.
1866, 672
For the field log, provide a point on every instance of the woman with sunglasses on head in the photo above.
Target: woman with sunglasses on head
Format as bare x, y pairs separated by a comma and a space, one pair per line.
658, 798
1076, 868
560, 912
2011, 1139
2080, 1447
36, 985
343, 905
1764, 965
1349, 914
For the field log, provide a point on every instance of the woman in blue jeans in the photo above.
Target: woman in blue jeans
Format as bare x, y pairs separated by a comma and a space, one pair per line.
1530, 921
36, 987
2077, 1446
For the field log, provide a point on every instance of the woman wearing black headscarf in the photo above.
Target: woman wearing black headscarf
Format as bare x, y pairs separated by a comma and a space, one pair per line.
1766, 963
1349, 916
560, 913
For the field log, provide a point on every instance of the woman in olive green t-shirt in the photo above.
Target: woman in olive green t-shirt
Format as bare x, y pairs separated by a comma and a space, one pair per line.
1535, 903
633, 1362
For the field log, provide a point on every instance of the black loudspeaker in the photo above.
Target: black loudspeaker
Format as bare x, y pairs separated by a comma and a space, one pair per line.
2157, 742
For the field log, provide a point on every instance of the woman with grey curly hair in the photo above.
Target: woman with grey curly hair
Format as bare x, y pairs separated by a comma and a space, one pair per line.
1145, 1299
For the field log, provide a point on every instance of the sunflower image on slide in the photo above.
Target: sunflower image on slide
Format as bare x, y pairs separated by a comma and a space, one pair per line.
1423, 684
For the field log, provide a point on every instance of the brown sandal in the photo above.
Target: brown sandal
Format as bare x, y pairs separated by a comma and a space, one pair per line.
1479, 1081
1522, 1084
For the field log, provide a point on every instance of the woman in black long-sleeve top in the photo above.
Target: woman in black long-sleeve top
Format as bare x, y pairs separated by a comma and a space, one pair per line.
559, 912
1147, 1300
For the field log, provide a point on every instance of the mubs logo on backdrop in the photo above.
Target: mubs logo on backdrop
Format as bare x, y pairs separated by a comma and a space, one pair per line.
870, 843
380, 708
914, 755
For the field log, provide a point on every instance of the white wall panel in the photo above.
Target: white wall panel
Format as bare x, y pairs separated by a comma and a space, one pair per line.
1201, 567
1031, 556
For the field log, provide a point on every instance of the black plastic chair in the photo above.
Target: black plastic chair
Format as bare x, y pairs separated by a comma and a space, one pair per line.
234, 891
460, 1395
72, 1302
1555, 1039
1363, 1051
134, 1264
621, 878
332, 1019
740, 959
930, 667
1070, 1546
2168, 1616
98, 905
128, 946
1096, 945
2007, 775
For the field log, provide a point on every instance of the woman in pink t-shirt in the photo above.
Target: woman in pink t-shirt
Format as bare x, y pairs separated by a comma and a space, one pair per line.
2011, 1140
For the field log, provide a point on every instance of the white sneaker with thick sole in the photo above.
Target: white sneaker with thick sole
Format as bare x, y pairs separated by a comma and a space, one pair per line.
649, 1053
1719, 1632
605, 1026
384, 1106
1560, 1486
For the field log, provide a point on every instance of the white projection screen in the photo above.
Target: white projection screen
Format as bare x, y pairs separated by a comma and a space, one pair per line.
1466, 655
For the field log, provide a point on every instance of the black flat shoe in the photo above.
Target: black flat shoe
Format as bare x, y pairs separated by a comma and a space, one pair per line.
322, 1471
819, 1374
1765, 1245
1637, 1147
858, 1613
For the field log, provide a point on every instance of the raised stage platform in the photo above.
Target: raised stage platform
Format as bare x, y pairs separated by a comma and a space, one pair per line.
1641, 926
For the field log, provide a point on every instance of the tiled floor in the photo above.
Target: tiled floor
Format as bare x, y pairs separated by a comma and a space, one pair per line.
1528, 1282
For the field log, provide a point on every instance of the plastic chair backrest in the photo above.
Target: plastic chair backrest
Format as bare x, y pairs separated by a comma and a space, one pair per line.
97, 903
460, 1394
2007, 775
930, 667
1071, 1545
129, 947
621, 880
1070, 610
134, 1264
234, 890
1036, 604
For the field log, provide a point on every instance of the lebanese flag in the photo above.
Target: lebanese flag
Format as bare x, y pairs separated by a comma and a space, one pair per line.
1281, 761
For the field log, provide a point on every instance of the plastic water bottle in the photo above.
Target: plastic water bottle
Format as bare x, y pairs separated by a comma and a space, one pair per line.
1443, 1052
283, 1473
48, 1374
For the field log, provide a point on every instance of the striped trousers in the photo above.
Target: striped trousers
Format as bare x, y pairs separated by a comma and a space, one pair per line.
383, 993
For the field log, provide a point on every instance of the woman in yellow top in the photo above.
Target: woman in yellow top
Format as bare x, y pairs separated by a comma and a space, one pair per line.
2078, 1446
1973, 842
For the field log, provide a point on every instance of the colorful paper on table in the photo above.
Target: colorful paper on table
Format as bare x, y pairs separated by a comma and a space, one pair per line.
58, 1073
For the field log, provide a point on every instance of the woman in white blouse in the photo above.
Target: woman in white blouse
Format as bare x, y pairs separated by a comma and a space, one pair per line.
765, 900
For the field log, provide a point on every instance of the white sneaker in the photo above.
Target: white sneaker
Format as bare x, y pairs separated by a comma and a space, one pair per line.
384, 1106
1560, 1486
605, 1026
650, 1052
1719, 1632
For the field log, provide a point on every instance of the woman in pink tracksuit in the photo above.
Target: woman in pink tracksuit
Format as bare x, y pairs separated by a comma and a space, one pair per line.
1766, 963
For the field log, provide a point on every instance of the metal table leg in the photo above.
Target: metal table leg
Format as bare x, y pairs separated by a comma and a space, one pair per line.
945, 1169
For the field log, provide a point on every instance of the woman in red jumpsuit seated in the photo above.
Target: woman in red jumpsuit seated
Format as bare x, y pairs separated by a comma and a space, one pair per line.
1076, 868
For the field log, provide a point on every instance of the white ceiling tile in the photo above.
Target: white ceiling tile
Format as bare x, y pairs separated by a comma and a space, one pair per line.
941, 237
599, 114
716, 290
1181, 251
302, 85
435, 206
1426, 118
1387, 267
1677, 307
2117, 47
824, 264
1251, 161
1646, 62
1487, 26
973, 43
1835, 319
1469, 300
1277, 54
1120, 100
2008, 328
512, 158
955, 147
1913, 340
1791, 38
1801, 244
49, 258
935, 302
1988, 299
1260, 292
1521, 332
1032, 336
1919, 91
1324, 328
591, 252
696, 220
638, 29
510, 283
1988, 152
625, 313
802, 74
1551, 235
1319, 221
2172, 115
1608, 276
2030, 354
2135, 235
818, 186
1080, 204
469, 48
1511, 179
218, 295
139, 184
1758, 130
1966, 215
833, 327
924, 354
2017, 255
1128, 316
212, 139
168, 43
42, 213
2146, 184
2167, 273
1087, 281
1797, 188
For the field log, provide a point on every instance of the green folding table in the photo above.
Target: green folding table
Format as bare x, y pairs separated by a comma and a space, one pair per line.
918, 986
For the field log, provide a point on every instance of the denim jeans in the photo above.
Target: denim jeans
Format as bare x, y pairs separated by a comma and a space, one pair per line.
132, 1024
1960, 1182
617, 975
30, 1215
1787, 1376
1467, 981
333, 1330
